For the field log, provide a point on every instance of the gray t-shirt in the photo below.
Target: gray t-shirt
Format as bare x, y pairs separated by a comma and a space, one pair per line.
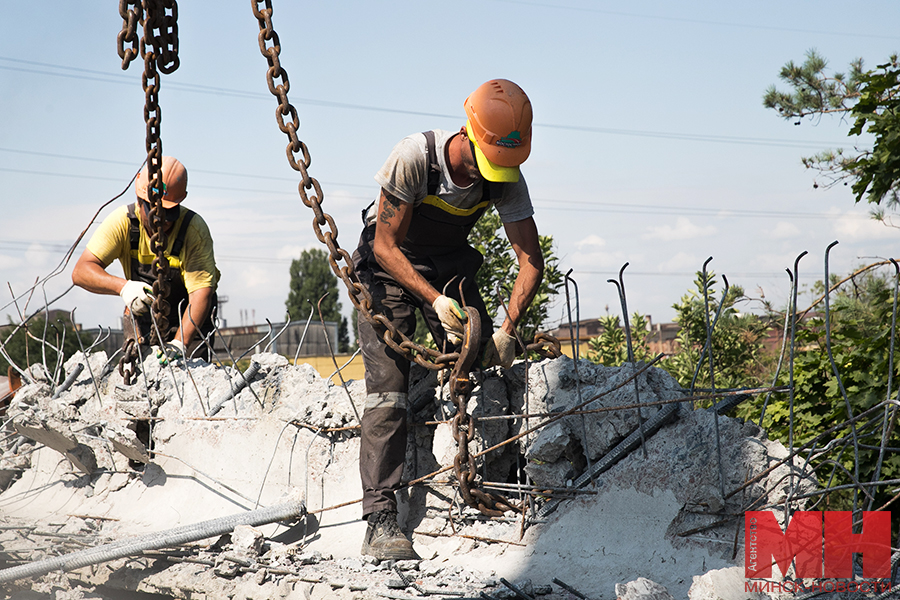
405, 176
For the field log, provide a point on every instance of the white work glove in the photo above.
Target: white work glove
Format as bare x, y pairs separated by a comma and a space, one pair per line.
136, 296
500, 350
452, 317
171, 352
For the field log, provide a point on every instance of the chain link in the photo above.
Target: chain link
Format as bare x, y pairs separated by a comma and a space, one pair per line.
341, 264
132, 14
159, 49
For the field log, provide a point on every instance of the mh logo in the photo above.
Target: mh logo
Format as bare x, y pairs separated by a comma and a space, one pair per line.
821, 544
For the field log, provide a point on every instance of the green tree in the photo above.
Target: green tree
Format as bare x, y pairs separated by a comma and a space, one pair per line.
737, 337
860, 314
868, 97
311, 278
25, 347
500, 269
610, 348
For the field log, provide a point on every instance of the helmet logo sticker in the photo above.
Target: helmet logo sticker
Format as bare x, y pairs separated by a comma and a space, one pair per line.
513, 140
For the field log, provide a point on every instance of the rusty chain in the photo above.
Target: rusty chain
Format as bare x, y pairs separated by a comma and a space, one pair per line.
463, 424
132, 14
159, 49
299, 158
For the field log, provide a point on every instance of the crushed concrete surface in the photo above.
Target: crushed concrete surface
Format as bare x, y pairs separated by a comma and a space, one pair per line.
108, 462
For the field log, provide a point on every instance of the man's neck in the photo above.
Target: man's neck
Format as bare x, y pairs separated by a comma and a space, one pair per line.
454, 151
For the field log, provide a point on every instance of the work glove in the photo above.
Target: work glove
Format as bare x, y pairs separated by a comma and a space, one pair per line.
136, 296
452, 317
171, 352
500, 350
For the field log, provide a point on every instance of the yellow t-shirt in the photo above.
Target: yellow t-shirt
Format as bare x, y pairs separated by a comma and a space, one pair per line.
196, 260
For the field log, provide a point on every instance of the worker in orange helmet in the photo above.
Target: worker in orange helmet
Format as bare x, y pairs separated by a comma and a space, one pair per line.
193, 276
434, 187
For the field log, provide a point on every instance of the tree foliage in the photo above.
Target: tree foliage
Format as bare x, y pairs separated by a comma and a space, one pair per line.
736, 338
25, 348
860, 315
610, 348
500, 269
870, 99
311, 278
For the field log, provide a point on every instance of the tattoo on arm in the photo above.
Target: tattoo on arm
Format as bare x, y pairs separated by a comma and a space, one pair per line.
389, 209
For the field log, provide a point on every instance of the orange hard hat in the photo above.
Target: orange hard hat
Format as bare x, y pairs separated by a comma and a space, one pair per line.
174, 178
499, 123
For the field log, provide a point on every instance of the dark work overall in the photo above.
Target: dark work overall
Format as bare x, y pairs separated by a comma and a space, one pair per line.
178, 294
437, 247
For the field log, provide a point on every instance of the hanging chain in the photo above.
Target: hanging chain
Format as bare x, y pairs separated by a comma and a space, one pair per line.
463, 424
132, 14
299, 158
151, 51
128, 362
159, 49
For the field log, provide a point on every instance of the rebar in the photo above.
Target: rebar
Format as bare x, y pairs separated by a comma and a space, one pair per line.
154, 541
837, 374
886, 429
76, 371
303, 336
575, 343
87, 360
278, 335
236, 387
620, 286
334, 360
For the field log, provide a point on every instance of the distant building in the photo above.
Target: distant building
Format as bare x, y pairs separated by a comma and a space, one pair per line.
662, 335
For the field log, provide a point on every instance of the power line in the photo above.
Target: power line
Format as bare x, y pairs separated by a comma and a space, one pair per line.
545, 204
196, 88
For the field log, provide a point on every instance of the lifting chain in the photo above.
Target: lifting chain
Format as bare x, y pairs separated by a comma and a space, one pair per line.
463, 424
159, 49
299, 158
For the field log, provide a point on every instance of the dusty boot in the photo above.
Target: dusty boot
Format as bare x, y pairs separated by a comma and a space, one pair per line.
384, 539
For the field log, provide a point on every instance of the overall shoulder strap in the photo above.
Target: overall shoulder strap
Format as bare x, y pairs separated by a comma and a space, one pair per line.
178, 244
134, 229
491, 191
434, 169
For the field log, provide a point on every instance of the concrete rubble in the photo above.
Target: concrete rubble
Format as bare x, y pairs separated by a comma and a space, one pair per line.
103, 463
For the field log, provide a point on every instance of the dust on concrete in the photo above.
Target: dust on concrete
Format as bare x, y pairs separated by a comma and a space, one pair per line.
106, 462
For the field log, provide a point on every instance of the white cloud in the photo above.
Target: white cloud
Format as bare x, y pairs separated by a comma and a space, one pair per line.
784, 230
591, 242
682, 261
682, 230
851, 226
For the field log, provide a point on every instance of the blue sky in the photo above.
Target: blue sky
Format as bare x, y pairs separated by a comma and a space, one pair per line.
651, 144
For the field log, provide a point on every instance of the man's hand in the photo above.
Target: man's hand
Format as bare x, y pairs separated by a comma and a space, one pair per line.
171, 352
136, 296
500, 350
452, 317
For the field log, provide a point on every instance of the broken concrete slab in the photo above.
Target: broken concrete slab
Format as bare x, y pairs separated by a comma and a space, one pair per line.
652, 517
642, 589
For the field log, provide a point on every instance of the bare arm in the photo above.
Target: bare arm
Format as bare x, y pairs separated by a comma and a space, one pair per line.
523, 236
90, 274
394, 217
195, 313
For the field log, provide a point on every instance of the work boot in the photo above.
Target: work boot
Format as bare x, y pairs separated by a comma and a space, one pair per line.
384, 540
